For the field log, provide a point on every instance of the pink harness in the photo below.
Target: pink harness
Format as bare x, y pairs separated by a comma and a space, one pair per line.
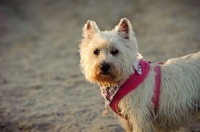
133, 82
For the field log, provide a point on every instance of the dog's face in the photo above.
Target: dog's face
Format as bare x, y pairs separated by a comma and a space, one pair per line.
108, 57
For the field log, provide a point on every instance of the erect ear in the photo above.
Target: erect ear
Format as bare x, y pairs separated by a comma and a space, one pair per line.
89, 29
124, 27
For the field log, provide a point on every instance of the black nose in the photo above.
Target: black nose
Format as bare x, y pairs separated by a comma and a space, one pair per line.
105, 67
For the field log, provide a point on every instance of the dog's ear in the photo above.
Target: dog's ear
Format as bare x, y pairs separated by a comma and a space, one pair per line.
124, 27
89, 29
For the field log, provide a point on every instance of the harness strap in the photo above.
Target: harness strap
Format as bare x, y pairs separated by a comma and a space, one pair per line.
155, 98
130, 85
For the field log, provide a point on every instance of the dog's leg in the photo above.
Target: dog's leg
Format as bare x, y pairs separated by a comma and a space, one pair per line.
141, 123
125, 124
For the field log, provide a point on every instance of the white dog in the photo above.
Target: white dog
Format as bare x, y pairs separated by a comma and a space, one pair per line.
148, 97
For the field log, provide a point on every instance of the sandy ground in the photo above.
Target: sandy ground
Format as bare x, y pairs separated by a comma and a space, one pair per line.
41, 86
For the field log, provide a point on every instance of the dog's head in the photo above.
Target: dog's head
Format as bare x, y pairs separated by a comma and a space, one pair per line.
108, 57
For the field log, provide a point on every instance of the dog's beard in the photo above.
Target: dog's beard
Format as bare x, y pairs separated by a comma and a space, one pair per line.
105, 78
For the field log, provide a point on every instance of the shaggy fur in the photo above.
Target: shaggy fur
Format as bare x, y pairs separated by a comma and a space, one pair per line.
180, 80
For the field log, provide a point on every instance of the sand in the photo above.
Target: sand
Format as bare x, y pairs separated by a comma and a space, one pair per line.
41, 86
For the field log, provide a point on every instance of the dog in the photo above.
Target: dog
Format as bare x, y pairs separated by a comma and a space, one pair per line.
166, 99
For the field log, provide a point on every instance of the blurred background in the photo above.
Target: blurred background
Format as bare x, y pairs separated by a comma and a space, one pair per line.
41, 86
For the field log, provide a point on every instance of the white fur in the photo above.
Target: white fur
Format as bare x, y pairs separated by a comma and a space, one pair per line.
105, 41
180, 81
179, 97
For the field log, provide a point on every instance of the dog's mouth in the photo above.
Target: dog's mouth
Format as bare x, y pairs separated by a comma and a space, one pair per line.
105, 77
105, 73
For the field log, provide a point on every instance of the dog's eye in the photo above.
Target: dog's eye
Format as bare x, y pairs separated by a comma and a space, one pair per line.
114, 52
96, 52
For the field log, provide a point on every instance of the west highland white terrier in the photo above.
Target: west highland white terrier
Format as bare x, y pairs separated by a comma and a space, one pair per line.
147, 96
